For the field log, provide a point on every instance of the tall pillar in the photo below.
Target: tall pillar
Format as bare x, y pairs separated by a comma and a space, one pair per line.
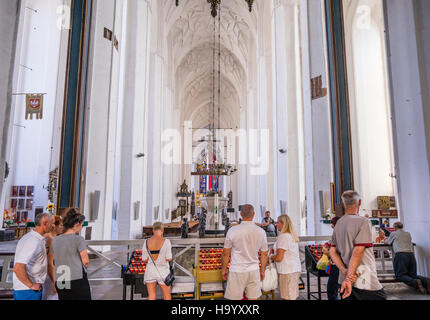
9, 17
280, 121
288, 105
342, 153
101, 128
133, 174
409, 125
316, 114
156, 104
70, 177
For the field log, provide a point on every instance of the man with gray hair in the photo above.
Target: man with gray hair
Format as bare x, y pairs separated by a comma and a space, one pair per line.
351, 251
243, 243
31, 263
405, 264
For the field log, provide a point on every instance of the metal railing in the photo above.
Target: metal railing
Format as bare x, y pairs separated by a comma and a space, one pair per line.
110, 258
180, 246
6, 266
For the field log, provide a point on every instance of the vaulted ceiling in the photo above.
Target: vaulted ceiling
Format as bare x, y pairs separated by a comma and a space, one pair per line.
191, 33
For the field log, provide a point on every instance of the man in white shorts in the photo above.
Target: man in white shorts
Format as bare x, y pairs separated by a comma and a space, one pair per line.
243, 243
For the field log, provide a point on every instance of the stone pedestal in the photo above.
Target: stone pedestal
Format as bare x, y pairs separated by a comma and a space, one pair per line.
214, 216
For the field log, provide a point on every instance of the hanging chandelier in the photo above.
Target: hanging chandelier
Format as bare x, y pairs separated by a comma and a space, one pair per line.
214, 166
216, 3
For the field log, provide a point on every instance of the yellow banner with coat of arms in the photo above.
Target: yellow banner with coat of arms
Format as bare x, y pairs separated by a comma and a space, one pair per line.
34, 105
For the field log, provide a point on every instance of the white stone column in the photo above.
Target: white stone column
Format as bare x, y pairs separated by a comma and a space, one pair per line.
156, 104
252, 180
317, 118
135, 105
286, 68
168, 188
9, 17
412, 166
102, 105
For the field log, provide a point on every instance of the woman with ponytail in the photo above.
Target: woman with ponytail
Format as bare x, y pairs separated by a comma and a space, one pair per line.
71, 260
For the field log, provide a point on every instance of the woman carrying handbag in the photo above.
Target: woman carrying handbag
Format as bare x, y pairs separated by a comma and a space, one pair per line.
287, 258
157, 251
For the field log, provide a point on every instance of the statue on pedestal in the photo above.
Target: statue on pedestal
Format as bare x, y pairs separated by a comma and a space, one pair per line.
184, 187
185, 229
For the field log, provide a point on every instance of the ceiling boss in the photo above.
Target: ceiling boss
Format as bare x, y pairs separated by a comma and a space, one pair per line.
215, 5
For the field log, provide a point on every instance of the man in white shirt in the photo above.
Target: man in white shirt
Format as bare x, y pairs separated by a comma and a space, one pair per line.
31, 263
243, 244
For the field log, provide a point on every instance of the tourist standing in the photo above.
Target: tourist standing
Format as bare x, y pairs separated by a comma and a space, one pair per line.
268, 225
242, 244
49, 291
157, 252
31, 263
352, 246
71, 260
287, 259
405, 264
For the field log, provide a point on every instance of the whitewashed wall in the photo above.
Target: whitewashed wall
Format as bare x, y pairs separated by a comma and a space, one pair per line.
36, 70
369, 101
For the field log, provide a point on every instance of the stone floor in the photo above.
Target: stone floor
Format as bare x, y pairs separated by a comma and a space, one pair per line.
114, 291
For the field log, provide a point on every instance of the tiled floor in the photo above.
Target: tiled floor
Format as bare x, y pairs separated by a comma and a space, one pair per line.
395, 291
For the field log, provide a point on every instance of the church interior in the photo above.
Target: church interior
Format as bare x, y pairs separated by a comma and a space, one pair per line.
183, 111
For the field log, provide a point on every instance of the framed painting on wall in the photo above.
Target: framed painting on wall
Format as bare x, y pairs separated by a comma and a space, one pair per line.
13, 203
29, 204
15, 191
22, 191
21, 204
30, 192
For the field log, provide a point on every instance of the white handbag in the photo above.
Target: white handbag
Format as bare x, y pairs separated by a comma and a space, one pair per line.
270, 281
364, 279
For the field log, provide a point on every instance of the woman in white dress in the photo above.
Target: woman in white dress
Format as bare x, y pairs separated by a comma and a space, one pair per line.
160, 249
287, 258
49, 291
